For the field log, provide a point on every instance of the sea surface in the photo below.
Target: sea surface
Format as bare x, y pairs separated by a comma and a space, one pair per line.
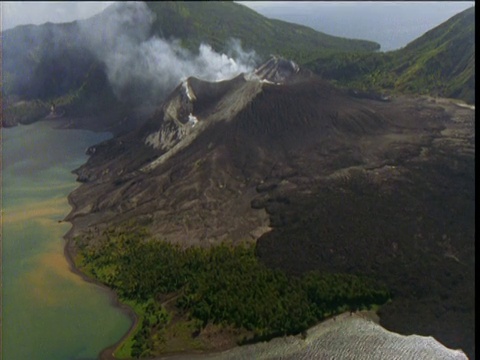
392, 24
48, 312
347, 337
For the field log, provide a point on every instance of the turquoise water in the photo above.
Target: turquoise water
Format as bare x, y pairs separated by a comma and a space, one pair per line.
48, 312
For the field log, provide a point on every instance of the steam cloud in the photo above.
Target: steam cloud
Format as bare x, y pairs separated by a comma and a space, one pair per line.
146, 68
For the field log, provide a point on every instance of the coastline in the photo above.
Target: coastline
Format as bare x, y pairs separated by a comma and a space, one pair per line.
238, 352
48, 304
69, 246
107, 353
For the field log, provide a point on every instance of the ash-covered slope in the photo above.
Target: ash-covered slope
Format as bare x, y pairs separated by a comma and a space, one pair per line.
277, 70
193, 169
351, 185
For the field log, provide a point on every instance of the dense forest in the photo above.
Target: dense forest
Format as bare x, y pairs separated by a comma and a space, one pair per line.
223, 285
439, 63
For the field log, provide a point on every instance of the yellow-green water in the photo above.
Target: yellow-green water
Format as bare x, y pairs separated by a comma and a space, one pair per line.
48, 312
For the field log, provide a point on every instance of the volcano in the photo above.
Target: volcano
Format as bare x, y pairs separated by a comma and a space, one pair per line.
320, 178
195, 168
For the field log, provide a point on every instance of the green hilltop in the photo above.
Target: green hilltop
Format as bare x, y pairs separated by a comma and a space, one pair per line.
216, 23
439, 63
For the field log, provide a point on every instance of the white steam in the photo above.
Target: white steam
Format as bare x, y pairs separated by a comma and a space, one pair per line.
146, 68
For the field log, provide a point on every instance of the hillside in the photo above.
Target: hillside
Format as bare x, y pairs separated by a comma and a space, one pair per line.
439, 63
226, 20
50, 64
76, 65
317, 178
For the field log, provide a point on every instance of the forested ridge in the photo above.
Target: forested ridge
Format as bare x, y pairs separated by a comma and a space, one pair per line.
439, 63
223, 285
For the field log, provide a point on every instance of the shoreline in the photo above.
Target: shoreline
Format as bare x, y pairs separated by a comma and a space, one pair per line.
69, 247
106, 353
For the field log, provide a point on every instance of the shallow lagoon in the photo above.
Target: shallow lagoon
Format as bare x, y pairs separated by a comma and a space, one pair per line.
48, 312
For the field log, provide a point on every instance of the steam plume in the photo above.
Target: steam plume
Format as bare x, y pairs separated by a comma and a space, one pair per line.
146, 68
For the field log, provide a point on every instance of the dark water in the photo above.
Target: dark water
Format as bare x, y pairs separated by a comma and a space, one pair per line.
48, 312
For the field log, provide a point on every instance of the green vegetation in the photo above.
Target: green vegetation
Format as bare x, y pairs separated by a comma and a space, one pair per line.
439, 63
223, 285
57, 66
216, 23
151, 317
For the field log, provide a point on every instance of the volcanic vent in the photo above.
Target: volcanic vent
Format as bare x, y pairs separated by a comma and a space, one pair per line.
195, 167
278, 70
